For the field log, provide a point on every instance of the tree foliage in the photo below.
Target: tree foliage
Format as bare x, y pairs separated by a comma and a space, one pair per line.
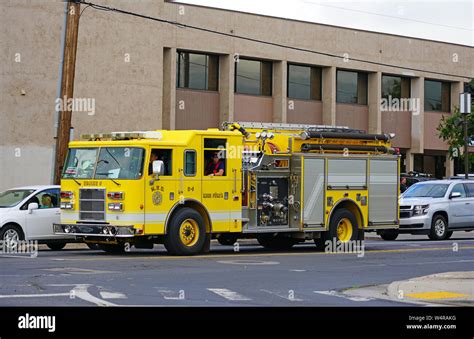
451, 130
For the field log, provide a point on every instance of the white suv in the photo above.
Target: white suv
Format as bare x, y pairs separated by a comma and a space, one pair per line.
435, 208
28, 213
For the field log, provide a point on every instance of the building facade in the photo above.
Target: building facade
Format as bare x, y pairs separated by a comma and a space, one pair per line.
138, 74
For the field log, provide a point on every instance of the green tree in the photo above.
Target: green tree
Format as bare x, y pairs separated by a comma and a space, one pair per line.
451, 130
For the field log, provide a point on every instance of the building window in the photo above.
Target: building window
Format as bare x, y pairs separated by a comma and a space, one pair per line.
437, 96
395, 87
351, 87
197, 71
304, 82
253, 77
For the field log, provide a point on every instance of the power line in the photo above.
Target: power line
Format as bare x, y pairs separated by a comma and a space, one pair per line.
389, 16
207, 30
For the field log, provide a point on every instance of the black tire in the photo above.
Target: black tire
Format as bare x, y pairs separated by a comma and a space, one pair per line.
388, 235
439, 228
227, 239
272, 242
93, 246
112, 248
191, 224
332, 235
449, 234
11, 231
56, 246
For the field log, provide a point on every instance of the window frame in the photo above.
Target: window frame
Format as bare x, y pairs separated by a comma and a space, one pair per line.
466, 192
469, 190
155, 148
261, 62
206, 150
186, 151
208, 56
24, 206
358, 90
444, 84
311, 84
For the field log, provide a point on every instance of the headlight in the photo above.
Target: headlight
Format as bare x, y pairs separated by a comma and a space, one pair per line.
421, 209
67, 205
115, 206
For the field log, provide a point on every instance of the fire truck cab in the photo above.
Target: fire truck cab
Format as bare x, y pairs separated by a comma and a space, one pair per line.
279, 183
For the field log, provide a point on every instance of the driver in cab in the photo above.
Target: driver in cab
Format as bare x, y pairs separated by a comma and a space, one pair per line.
216, 166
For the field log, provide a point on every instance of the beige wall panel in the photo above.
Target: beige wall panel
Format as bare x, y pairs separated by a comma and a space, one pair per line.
400, 124
354, 116
197, 109
305, 112
253, 108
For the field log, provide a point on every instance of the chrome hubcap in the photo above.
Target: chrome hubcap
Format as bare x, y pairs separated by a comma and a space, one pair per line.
11, 239
439, 227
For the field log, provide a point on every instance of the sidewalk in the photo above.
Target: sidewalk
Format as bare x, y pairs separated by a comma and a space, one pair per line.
450, 289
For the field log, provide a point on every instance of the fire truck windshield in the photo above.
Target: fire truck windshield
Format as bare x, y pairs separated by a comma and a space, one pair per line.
104, 163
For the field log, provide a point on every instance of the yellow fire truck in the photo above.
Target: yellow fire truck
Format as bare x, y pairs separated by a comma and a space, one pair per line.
279, 183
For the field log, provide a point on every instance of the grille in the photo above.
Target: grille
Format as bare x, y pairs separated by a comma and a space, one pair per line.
405, 212
92, 204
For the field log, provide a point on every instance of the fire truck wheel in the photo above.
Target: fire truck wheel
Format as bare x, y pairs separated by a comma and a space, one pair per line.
93, 246
227, 239
186, 233
112, 248
275, 242
343, 227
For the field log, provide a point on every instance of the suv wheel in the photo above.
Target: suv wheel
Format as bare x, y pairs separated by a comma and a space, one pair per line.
439, 228
389, 234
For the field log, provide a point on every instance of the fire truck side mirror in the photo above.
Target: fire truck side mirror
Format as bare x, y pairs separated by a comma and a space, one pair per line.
158, 168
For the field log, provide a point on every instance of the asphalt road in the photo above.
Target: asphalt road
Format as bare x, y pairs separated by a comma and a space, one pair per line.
253, 276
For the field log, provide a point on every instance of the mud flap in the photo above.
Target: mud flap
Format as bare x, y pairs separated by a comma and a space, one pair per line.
207, 243
360, 234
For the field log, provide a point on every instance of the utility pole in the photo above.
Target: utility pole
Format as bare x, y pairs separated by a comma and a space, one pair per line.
67, 87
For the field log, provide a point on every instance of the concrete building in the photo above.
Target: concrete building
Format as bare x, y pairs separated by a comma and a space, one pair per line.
143, 75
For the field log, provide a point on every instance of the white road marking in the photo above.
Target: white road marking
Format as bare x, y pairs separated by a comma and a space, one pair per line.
248, 262
282, 295
341, 295
81, 291
170, 295
228, 294
297, 270
5, 296
112, 295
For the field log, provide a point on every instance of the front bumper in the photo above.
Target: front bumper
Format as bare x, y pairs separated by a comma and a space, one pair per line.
95, 230
421, 222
